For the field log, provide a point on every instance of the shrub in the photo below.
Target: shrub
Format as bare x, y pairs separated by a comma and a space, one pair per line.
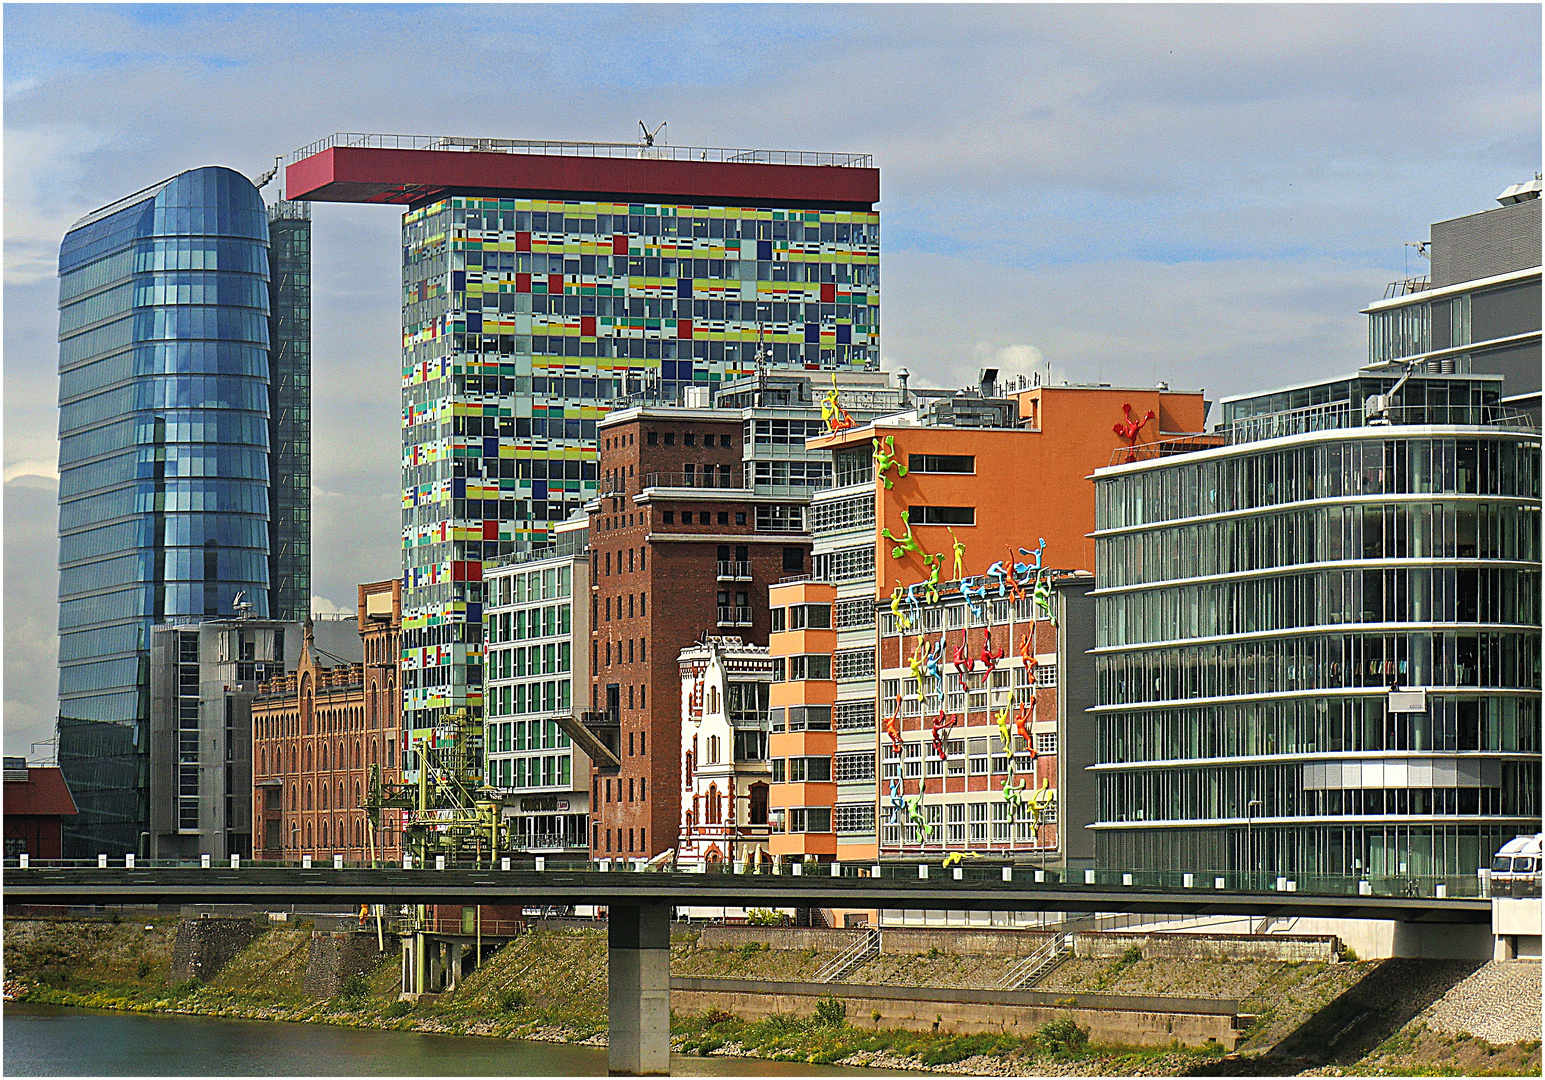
933, 953
354, 990
143, 969
1348, 953
512, 998
831, 1012
716, 1016
183, 989
1062, 1038
764, 917
398, 1008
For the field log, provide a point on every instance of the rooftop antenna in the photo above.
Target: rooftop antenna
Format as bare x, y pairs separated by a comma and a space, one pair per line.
241, 605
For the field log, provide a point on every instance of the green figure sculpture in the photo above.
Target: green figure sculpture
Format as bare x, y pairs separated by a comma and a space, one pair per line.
905, 543
885, 458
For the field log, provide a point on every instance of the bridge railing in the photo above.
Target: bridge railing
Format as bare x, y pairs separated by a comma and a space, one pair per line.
972, 871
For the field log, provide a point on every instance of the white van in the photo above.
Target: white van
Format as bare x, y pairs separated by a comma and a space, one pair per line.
1516, 867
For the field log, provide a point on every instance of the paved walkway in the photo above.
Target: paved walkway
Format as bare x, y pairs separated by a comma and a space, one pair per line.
1499, 1003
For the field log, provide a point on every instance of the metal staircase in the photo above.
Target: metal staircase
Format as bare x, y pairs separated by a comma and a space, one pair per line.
862, 950
1039, 964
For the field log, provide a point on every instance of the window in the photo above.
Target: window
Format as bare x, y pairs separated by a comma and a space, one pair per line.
854, 613
1046, 675
810, 617
793, 559
855, 766
815, 770
842, 514
778, 770
978, 748
1046, 742
670, 438
669, 517
855, 664
855, 715
780, 517
941, 463
846, 564
854, 818
778, 618
809, 819
942, 515
807, 718
809, 666
740, 517
704, 518
652, 438
689, 438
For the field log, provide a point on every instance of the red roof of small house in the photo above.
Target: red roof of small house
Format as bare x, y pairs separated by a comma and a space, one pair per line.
43, 793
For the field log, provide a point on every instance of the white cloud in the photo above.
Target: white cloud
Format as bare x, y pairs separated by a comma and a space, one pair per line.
43, 165
46, 469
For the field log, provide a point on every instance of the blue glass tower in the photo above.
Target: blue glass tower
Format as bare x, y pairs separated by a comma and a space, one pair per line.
164, 471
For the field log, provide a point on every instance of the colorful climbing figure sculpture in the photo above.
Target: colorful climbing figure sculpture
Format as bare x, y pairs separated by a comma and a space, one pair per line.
884, 458
905, 543
836, 417
959, 546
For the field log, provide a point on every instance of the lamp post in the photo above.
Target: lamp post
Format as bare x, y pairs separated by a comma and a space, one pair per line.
1250, 835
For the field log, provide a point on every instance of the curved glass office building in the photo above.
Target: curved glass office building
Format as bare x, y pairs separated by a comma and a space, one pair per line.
1319, 641
163, 459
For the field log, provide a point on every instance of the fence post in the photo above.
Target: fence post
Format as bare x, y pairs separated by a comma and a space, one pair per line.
203, 862
128, 861
337, 861
305, 862
541, 863
235, 862
922, 871
407, 861
24, 860
439, 862
504, 862
836, 869
1088, 877
1008, 873
101, 862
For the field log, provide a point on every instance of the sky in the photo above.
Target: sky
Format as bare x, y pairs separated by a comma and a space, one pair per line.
1200, 195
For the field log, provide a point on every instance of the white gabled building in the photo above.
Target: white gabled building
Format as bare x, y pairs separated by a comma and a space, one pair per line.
725, 775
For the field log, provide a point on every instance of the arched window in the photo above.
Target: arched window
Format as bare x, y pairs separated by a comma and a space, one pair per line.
687, 777
341, 802
713, 700
713, 750
324, 835
712, 810
308, 800
308, 834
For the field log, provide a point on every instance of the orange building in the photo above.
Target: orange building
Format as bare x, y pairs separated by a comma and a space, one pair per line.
980, 479
316, 732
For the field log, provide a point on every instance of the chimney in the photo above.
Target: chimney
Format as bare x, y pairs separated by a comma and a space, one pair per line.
902, 375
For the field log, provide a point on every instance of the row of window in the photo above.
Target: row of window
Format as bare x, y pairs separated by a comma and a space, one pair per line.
1320, 598
801, 617
1425, 530
1321, 725
551, 695
1320, 661
554, 582
550, 659
553, 620
1277, 791
1350, 464
548, 770
839, 514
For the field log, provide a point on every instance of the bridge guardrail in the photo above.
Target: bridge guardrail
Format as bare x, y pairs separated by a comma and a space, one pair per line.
970, 872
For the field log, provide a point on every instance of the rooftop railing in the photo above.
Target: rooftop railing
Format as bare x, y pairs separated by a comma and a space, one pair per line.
562, 148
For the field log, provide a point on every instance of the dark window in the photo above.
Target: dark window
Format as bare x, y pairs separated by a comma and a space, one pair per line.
688, 439
653, 438
724, 517
942, 515
704, 518
670, 438
670, 517
793, 559
941, 463
740, 517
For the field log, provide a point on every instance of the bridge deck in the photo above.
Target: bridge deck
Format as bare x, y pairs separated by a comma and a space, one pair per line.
255, 885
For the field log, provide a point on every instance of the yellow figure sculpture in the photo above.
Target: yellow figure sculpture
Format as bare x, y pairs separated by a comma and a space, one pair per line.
836, 417
902, 621
955, 857
960, 555
915, 662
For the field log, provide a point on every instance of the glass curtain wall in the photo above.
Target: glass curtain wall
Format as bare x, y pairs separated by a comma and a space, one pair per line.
1256, 607
163, 463
289, 422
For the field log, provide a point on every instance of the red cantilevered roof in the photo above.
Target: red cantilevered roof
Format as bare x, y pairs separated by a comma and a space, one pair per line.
43, 793
362, 174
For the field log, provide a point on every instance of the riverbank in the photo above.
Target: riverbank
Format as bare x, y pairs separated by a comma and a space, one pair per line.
550, 986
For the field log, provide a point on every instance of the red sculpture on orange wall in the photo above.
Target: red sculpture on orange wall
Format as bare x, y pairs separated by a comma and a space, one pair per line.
1129, 429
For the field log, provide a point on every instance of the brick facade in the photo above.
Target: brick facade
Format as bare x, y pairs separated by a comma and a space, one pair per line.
316, 732
655, 589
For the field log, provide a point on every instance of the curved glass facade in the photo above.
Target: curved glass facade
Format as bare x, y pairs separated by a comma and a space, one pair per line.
164, 458
1258, 603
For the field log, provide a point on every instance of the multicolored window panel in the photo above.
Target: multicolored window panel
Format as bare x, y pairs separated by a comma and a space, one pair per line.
526, 320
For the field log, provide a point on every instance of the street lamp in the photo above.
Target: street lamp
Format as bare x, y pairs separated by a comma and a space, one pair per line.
1250, 833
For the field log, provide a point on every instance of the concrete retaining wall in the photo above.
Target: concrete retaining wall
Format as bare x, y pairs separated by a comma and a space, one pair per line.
336, 955
204, 946
777, 937
957, 941
1292, 948
961, 941
884, 1007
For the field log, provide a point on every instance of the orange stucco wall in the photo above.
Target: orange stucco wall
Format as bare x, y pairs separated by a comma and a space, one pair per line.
1030, 481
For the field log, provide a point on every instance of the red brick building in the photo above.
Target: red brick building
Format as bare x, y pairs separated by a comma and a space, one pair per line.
680, 549
37, 800
316, 732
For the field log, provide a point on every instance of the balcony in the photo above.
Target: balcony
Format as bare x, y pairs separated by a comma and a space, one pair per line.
734, 616
726, 479
734, 571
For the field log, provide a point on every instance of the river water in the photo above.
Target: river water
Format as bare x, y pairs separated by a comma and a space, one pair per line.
49, 1040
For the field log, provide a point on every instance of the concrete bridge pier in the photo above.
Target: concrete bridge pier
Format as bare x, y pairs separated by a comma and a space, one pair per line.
638, 1027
